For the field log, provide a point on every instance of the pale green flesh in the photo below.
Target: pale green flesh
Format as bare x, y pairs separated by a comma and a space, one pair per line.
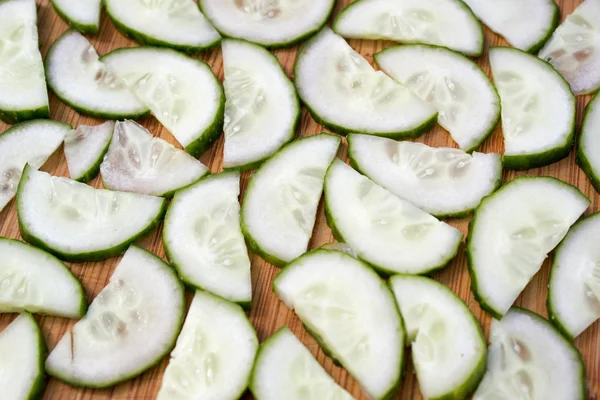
85, 147
80, 13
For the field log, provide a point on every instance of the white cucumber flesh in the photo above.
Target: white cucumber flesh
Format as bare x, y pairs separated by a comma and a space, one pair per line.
529, 359
82, 15
573, 48
513, 231
182, 92
30, 143
204, 241
344, 93
177, 24
442, 181
23, 93
85, 148
262, 109
269, 23
76, 222
465, 98
280, 203
137, 162
351, 312
588, 143
22, 353
448, 347
538, 109
37, 282
448, 23
285, 369
89, 86
130, 326
214, 354
387, 232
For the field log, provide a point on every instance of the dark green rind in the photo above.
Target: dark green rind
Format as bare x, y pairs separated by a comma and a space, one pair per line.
535, 48
582, 158
14, 117
94, 170
38, 384
88, 29
279, 45
22, 125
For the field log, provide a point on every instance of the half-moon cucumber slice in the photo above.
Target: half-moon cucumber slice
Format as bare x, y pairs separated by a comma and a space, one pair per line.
351, 313
389, 233
588, 143
76, 222
345, 94
130, 326
85, 148
82, 15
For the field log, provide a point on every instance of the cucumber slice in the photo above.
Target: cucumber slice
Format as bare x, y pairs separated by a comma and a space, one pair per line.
130, 326
467, 103
352, 314
444, 182
588, 157
76, 222
448, 347
214, 354
572, 48
285, 369
140, 163
267, 22
30, 143
178, 24
448, 23
35, 281
203, 239
262, 109
389, 233
281, 200
538, 109
511, 234
81, 15
529, 359
85, 148
81, 81
22, 354
574, 288
183, 93
526, 25
23, 93
345, 94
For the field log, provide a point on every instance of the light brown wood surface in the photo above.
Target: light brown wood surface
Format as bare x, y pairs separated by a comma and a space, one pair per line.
267, 312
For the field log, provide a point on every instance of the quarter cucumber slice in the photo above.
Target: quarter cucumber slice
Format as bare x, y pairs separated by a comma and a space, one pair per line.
203, 239
529, 359
76, 222
30, 143
389, 233
444, 182
87, 85
448, 347
178, 24
538, 109
588, 156
23, 93
262, 109
22, 354
526, 25
130, 325
83, 15
511, 234
345, 94
269, 23
35, 281
574, 289
281, 200
448, 23
140, 163
85, 148
183, 93
285, 369
572, 48
467, 103
214, 354
351, 313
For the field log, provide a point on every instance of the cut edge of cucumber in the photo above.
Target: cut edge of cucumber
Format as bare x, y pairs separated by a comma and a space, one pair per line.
88, 29
582, 159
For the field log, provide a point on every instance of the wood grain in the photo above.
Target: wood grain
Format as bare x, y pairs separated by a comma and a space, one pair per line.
267, 313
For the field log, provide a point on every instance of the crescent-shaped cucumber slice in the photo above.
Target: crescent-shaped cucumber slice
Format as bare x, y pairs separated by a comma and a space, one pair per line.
83, 15
85, 148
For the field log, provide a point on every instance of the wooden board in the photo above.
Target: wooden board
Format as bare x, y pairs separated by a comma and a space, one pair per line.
267, 313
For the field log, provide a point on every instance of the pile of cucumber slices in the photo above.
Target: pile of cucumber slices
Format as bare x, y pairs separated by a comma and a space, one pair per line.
370, 299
